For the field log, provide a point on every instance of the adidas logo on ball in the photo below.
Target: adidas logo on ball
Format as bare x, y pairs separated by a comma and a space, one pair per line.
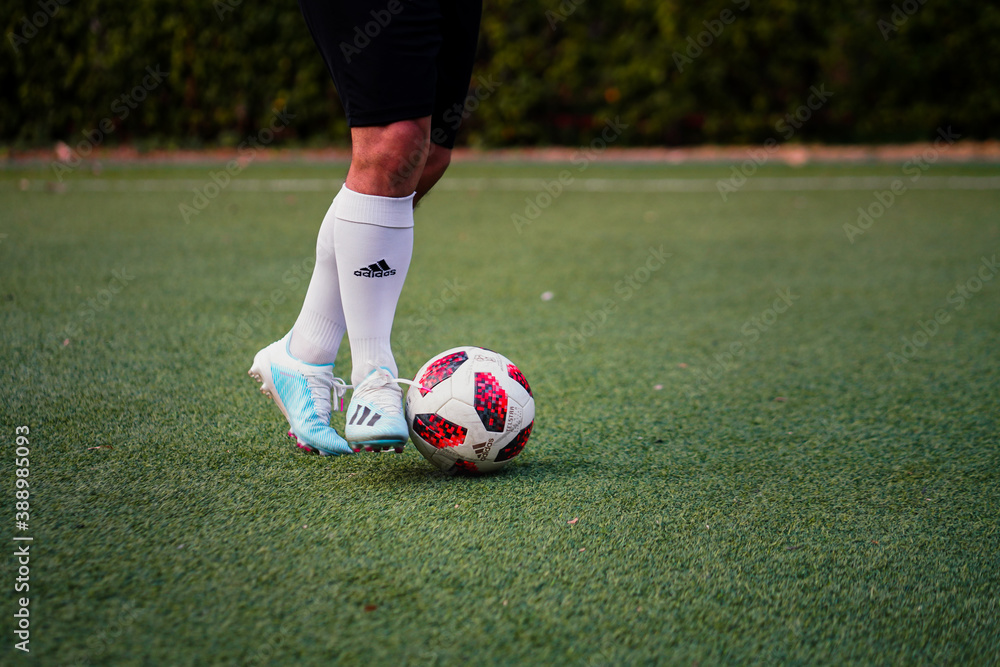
377, 270
482, 449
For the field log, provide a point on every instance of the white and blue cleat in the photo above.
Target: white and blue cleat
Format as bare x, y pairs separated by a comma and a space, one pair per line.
302, 393
375, 419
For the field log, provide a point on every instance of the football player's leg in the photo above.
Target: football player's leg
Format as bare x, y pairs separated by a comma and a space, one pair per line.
297, 371
374, 246
375, 235
320, 325
438, 159
453, 70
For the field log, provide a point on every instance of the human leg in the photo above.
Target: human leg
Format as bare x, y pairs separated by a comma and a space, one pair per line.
320, 325
374, 246
438, 159
389, 108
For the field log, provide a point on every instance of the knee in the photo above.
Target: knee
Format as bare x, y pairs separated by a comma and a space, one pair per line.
406, 144
397, 151
438, 159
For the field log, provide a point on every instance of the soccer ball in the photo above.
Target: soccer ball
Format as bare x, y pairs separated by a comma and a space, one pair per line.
469, 410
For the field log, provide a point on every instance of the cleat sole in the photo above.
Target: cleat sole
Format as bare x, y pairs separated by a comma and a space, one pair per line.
384, 443
395, 448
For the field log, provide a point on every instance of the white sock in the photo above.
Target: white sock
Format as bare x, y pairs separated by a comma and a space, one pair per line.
374, 246
321, 325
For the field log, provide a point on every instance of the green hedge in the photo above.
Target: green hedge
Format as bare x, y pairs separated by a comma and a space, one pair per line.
551, 73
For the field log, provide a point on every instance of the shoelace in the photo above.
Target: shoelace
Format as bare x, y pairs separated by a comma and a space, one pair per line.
337, 390
383, 400
317, 388
339, 387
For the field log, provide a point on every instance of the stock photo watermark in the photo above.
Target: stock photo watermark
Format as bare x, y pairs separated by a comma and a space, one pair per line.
461, 111
22, 554
224, 7
246, 151
102, 640
261, 313
559, 15
884, 199
381, 18
265, 653
121, 107
750, 332
926, 329
696, 44
29, 26
453, 116
277, 643
624, 290
901, 13
786, 127
88, 311
449, 295
581, 159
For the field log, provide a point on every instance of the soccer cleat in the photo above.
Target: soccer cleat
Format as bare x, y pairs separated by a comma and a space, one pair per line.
302, 393
375, 420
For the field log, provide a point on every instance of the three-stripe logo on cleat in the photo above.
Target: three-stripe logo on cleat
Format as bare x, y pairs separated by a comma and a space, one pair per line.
379, 269
359, 416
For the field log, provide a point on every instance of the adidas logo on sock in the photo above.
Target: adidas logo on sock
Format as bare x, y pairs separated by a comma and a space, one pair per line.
377, 270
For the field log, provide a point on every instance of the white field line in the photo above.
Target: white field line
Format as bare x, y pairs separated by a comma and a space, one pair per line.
461, 184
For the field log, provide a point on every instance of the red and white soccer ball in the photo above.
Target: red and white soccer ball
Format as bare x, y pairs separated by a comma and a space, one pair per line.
470, 410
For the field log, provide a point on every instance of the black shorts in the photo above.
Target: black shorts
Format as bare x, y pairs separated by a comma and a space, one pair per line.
395, 60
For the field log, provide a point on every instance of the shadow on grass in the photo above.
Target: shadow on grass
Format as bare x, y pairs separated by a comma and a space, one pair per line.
420, 473
417, 473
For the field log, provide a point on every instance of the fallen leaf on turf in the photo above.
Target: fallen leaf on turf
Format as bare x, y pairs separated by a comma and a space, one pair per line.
573, 520
370, 607
682, 365
780, 399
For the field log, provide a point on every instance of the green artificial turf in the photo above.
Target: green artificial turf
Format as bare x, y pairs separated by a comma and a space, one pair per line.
709, 480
